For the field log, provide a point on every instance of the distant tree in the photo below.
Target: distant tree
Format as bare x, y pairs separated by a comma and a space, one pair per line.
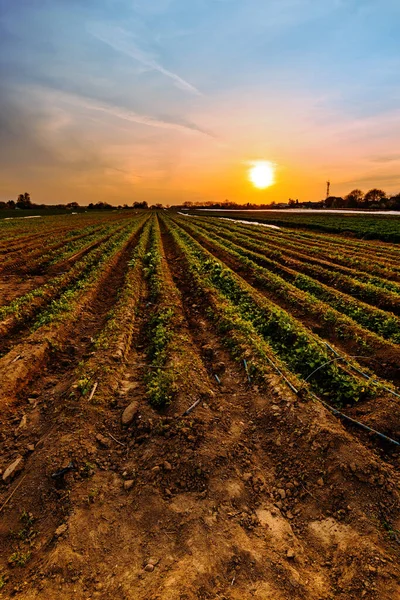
292, 202
354, 199
393, 203
72, 205
140, 204
24, 201
374, 196
11, 204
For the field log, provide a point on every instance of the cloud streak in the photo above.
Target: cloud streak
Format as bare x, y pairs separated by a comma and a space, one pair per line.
122, 41
132, 116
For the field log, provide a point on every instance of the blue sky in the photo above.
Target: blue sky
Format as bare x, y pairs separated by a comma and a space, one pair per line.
169, 100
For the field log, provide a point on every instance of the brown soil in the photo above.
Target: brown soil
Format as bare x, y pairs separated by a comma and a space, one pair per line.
255, 494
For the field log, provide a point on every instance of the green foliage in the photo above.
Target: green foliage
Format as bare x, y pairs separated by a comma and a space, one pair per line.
379, 227
288, 339
160, 332
19, 559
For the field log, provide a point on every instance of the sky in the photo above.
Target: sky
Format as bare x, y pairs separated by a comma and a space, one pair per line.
172, 100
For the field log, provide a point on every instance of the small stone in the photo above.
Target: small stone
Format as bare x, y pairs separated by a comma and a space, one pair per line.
31, 400
23, 423
353, 467
167, 466
30, 447
371, 569
99, 586
153, 561
289, 515
156, 469
320, 481
128, 484
290, 553
129, 413
149, 568
282, 493
61, 530
13, 469
103, 441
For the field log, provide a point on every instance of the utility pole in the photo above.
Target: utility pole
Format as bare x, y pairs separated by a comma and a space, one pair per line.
328, 185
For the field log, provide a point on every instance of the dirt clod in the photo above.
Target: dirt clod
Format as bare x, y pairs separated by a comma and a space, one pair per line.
61, 530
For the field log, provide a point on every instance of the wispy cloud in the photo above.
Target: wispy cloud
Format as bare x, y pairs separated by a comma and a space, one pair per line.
121, 40
130, 115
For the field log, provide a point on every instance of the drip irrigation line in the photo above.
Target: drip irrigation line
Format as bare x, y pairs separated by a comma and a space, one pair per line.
365, 375
283, 376
335, 411
217, 378
189, 410
247, 370
318, 368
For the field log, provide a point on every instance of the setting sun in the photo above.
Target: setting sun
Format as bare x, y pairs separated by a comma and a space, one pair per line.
262, 174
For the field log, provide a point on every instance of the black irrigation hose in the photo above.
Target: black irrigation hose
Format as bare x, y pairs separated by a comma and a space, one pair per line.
332, 409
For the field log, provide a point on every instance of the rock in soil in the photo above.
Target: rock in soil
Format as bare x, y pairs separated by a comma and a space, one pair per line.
129, 413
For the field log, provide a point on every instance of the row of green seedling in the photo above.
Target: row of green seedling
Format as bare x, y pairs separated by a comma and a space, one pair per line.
25, 307
160, 331
372, 294
285, 246
114, 340
61, 307
50, 253
332, 255
301, 352
274, 276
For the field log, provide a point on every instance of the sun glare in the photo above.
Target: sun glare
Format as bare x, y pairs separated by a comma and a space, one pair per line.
262, 174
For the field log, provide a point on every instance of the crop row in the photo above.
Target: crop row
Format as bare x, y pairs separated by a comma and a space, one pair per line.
275, 274
385, 228
284, 246
58, 293
318, 315
326, 273
284, 339
114, 340
335, 255
47, 254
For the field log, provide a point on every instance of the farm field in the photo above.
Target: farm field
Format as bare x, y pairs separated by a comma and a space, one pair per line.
366, 225
183, 401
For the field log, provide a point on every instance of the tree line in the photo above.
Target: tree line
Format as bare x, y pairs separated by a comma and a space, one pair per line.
24, 202
374, 198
